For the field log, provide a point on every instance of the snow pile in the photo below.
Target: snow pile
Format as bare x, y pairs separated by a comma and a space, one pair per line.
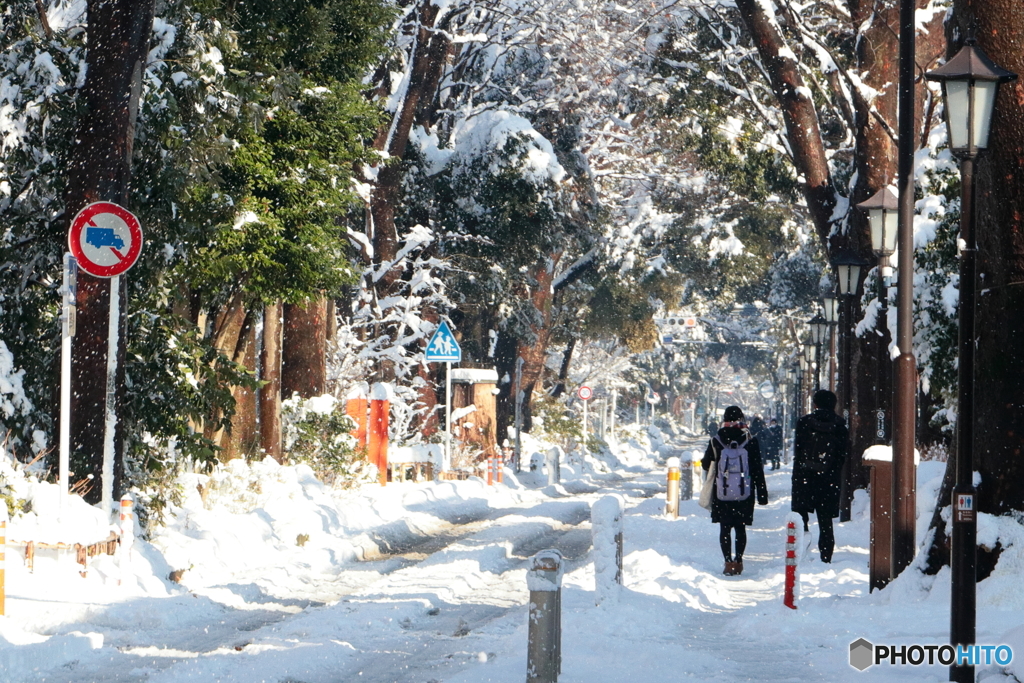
606, 525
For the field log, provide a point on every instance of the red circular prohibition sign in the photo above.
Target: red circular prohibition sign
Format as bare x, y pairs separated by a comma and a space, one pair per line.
106, 239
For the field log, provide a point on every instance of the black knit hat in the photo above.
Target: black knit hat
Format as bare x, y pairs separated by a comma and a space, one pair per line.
733, 414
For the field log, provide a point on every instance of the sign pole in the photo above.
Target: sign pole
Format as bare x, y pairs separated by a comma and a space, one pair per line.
106, 240
585, 402
448, 414
67, 332
110, 414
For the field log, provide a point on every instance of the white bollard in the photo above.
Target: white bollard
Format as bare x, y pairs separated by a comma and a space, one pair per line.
544, 645
554, 459
3, 557
127, 526
606, 515
672, 488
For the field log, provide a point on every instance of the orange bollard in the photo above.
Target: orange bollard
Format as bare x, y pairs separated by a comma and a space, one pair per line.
380, 409
490, 470
3, 553
788, 601
355, 407
499, 465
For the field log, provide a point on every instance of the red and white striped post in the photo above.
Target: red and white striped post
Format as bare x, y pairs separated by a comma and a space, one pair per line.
490, 470
790, 565
3, 553
499, 467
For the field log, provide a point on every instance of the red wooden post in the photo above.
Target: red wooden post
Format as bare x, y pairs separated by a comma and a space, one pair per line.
380, 408
790, 565
355, 407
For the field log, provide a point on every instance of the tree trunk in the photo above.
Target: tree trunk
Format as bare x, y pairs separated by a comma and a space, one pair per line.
270, 393
99, 169
999, 375
428, 60
304, 353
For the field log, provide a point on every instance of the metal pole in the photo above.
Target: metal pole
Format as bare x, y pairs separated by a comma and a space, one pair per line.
543, 651
965, 527
67, 332
882, 397
448, 414
110, 412
519, 412
585, 418
832, 379
846, 472
611, 418
904, 421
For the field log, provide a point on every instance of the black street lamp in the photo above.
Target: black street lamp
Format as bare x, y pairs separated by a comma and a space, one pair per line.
848, 268
970, 81
883, 218
819, 328
830, 304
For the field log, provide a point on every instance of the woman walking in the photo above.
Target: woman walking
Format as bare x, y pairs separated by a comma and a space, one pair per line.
739, 479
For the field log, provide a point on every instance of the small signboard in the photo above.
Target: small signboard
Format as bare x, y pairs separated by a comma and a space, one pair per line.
442, 347
766, 389
584, 393
964, 507
105, 239
653, 398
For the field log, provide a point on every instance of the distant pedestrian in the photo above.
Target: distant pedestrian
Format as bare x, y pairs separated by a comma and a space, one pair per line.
819, 449
773, 443
712, 428
739, 480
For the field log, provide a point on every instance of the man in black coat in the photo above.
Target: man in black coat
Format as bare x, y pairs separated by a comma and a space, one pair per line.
820, 446
773, 443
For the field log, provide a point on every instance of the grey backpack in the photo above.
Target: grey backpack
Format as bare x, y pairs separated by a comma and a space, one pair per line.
733, 471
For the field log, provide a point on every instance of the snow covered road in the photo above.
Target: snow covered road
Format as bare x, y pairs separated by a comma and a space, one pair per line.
443, 597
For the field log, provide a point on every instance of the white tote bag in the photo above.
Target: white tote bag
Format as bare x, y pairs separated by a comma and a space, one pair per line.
707, 490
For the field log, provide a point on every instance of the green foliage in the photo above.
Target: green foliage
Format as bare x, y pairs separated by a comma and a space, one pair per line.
323, 441
555, 422
624, 308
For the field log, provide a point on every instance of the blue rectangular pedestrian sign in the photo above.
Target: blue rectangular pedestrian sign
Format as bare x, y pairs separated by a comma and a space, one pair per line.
442, 347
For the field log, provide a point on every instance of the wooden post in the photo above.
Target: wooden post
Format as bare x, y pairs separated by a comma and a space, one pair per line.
380, 408
356, 407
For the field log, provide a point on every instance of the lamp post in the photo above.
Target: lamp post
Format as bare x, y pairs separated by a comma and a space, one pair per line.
831, 306
970, 81
819, 328
811, 354
883, 218
801, 369
848, 267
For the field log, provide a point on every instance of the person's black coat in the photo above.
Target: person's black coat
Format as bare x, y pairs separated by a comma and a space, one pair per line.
813, 490
733, 512
773, 442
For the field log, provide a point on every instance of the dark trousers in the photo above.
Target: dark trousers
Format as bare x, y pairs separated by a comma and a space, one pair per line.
725, 540
826, 535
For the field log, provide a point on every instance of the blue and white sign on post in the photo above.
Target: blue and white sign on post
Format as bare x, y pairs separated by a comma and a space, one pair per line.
442, 347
